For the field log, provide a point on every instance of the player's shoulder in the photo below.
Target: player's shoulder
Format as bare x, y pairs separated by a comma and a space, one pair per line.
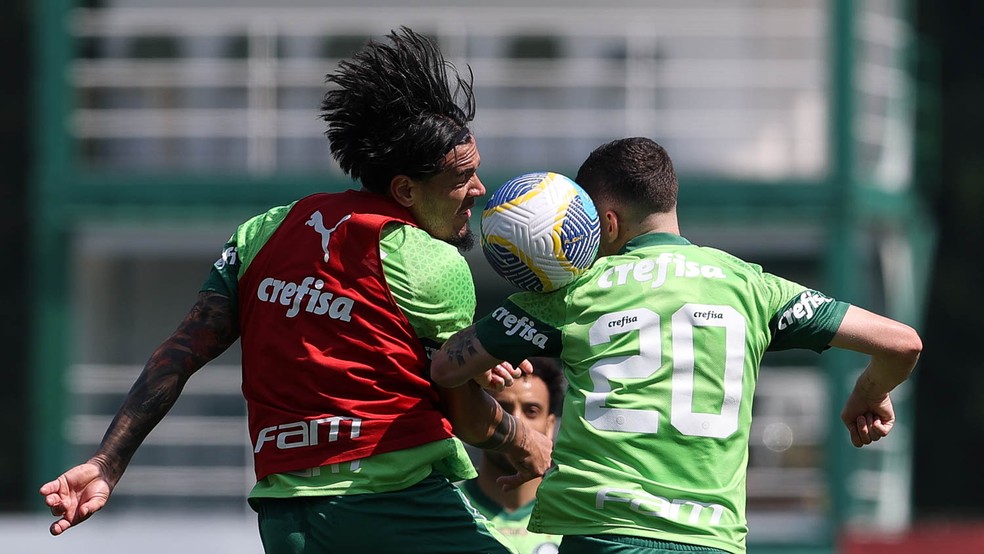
551, 309
733, 262
267, 220
430, 268
778, 289
414, 241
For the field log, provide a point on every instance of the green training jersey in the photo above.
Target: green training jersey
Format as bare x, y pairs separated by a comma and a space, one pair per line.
661, 346
432, 284
511, 525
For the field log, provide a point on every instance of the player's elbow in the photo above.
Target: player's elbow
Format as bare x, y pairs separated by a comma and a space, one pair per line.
903, 350
909, 344
442, 372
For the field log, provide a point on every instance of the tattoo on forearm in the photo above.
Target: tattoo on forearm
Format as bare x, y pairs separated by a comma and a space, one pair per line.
209, 328
503, 435
461, 346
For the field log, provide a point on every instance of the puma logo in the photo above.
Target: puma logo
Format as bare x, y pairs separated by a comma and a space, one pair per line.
318, 223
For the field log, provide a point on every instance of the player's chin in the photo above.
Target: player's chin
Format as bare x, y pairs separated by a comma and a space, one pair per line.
463, 239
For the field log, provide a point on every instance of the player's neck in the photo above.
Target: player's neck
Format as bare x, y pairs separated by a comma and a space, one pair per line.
511, 500
628, 229
659, 223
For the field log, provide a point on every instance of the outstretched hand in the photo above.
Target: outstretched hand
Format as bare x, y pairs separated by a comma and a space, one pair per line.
868, 418
531, 458
75, 495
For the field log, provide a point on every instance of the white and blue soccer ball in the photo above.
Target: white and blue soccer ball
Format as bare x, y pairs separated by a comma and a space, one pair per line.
540, 231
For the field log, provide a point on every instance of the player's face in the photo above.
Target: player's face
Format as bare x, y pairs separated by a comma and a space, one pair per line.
444, 205
528, 398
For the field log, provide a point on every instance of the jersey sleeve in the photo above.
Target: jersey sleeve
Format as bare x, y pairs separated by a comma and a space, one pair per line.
527, 324
240, 250
804, 318
224, 276
430, 281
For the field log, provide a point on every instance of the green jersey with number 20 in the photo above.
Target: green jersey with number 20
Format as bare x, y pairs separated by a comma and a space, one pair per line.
661, 347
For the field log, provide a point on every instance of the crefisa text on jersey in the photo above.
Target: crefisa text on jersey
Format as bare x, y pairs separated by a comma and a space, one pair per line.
519, 326
625, 320
228, 257
804, 308
656, 271
708, 314
317, 302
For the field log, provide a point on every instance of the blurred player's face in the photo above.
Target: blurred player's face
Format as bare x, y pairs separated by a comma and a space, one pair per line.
443, 204
529, 399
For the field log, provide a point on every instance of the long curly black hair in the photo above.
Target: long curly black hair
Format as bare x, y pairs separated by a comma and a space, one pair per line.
396, 108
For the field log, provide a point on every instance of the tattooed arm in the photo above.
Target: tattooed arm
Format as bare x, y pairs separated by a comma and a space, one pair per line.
459, 367
463, 358
209, 328
480, 421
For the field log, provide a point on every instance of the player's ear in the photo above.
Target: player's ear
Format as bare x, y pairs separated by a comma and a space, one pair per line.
610, 228
402, 190
610, 221
551, 426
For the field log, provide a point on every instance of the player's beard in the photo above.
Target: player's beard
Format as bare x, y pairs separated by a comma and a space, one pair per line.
465, 241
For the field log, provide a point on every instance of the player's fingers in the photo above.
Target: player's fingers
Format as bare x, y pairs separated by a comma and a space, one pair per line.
489, 381
53, 500
510, 482
49, 487
90, 507
525, 367
863, 430
57, 510
879, 430
58, 505
852, 429
506, 368
870, 420
59, 527
496, 383
882, 429
514, 372
505, 373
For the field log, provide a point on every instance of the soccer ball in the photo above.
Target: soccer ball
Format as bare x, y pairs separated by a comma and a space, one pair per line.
540, 231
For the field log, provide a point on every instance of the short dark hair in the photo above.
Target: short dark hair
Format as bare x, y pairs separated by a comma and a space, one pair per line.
396, 108
551, 371
631, 172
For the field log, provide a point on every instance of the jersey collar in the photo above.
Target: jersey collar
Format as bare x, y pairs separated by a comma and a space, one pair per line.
654, 239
